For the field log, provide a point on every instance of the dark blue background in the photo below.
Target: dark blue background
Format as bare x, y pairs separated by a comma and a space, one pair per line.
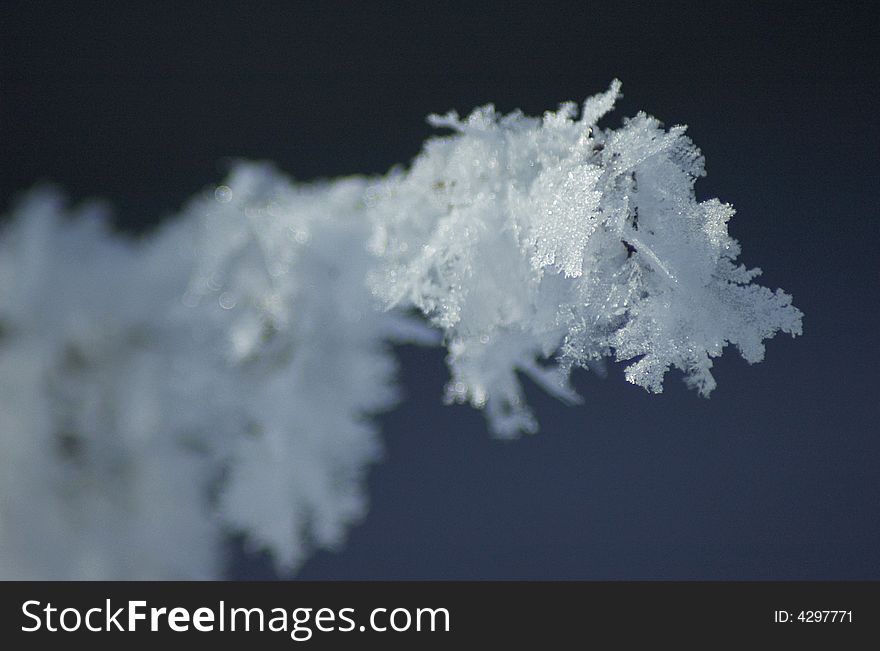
774, 477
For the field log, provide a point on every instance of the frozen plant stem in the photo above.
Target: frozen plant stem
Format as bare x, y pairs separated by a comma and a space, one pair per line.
220, 375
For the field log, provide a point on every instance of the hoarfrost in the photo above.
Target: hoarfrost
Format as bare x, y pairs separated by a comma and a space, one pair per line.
221, 374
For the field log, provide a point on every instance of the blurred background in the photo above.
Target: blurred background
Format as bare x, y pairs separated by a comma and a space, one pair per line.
777, 476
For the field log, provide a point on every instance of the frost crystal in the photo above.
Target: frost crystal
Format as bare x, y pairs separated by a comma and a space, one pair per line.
526, 239
220, 374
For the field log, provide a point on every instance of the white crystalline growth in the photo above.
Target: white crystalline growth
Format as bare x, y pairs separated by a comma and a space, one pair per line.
525, 239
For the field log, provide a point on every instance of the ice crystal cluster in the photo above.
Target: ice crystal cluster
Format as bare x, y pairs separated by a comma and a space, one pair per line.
220, 374
529, 239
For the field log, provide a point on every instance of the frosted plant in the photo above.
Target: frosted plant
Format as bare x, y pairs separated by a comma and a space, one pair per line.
220, 375
527, 240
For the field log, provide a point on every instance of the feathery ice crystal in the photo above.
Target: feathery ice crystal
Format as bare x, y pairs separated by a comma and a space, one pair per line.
220, 375
525, 239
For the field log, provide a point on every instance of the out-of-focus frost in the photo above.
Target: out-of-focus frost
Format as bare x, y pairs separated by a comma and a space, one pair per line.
220, 374
217, 377
100, 477
282, 268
